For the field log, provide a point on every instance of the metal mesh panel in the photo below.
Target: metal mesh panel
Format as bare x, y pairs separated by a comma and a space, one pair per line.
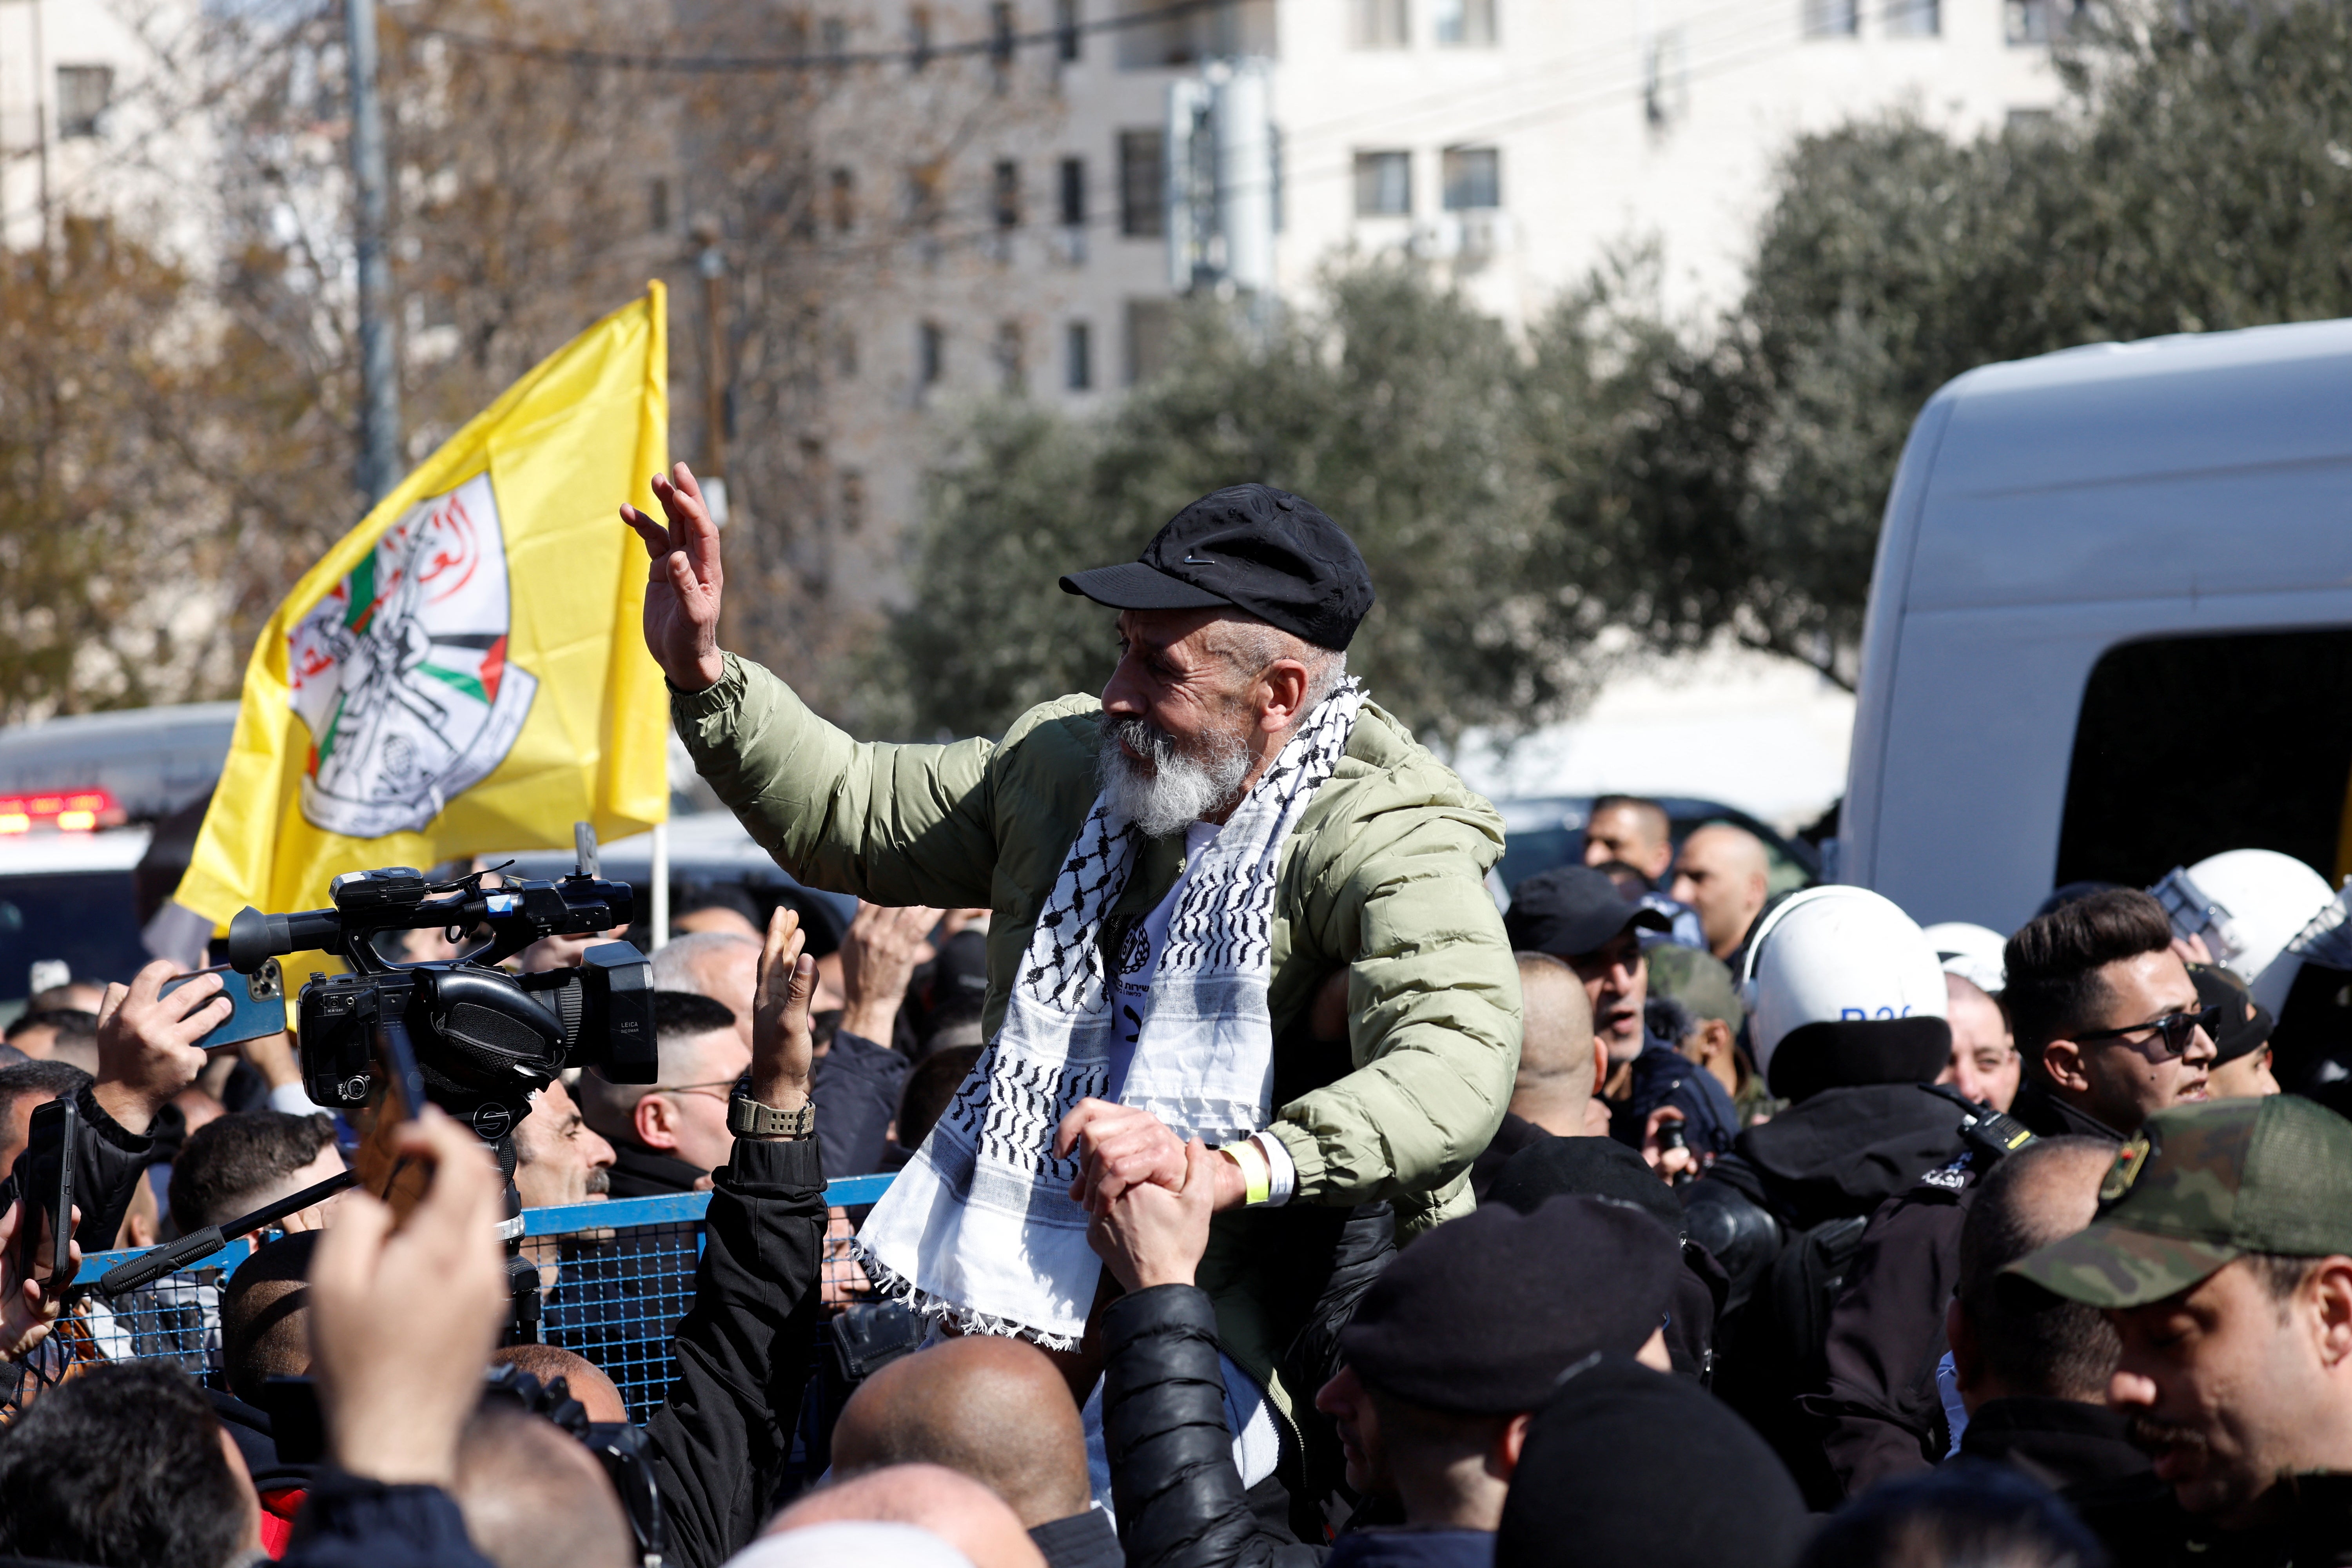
615, 1279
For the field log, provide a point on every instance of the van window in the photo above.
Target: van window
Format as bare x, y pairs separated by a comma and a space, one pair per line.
2190, 746
89, 918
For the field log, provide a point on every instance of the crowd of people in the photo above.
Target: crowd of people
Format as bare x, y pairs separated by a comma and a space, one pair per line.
1263, 1194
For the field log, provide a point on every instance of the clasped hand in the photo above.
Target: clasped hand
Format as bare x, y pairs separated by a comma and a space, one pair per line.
1121, 1146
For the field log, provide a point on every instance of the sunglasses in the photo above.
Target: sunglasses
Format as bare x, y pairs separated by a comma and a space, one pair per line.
2174, 1029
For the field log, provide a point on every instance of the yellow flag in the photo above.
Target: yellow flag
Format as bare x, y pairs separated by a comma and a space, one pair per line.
466, 671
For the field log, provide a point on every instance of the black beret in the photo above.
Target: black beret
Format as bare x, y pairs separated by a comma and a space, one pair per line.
1626, 1468
1484, 1313
1570, 911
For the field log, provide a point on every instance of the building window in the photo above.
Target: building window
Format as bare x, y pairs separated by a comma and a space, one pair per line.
1067, 36
930, 354
841, 199
1011, 358
1466, 24
2040, 21
1832, 18
852, 500
923, 195
1141, 207
82, 95
1383, 185
1474, 178
1007, 192
1914, 18
1150, 330
1074, 192
1379, 24
657, 206
999, 43
919, 37
1078, 357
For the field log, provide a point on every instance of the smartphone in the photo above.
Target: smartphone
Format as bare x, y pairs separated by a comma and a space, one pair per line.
44, 1185
258, 1001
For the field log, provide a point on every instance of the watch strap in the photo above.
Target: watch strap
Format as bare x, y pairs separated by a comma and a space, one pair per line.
747, 1118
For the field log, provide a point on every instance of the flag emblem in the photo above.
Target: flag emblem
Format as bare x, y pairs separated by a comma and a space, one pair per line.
401, 674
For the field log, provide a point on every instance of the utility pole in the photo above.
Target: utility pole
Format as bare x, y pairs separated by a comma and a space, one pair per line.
380, 464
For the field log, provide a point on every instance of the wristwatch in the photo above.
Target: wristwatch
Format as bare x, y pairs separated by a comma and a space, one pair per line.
748, 1117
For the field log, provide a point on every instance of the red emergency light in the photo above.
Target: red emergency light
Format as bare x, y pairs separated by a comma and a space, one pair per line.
71, 811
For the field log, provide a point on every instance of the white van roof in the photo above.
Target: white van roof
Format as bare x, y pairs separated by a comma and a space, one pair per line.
153, 760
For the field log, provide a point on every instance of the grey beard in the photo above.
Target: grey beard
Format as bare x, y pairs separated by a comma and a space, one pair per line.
1181, 789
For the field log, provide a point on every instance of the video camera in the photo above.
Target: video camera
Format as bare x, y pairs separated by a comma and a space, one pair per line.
483, 1040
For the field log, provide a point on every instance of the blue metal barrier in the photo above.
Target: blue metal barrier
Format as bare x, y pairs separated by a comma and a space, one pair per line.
616, 1277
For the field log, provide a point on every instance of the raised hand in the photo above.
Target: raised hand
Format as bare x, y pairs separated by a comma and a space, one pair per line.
146, 1041
878, 957
26, 1308
683, 588
782, 1042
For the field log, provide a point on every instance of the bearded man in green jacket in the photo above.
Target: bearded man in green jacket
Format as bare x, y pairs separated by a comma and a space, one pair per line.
1176, 872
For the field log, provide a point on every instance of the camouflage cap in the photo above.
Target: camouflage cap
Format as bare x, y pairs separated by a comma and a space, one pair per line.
2200, 1186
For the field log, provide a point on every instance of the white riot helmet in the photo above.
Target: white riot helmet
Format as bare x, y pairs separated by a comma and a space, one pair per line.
1974, 953
2248, 905
1828, 959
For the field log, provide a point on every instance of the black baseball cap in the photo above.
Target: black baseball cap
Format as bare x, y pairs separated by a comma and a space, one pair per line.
1249, 547
1570, 911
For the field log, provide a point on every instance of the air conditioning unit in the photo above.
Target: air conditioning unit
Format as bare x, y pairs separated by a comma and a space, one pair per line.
1069, 245
1436, 239
1483, 235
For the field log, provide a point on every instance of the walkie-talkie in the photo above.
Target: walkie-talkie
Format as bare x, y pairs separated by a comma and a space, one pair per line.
1992, 1133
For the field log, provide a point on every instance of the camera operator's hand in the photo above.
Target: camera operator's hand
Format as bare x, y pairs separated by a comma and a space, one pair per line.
26, 1310
682, 592
783, 1044
402, 1321
878, 959
146, 1042
1149, 1235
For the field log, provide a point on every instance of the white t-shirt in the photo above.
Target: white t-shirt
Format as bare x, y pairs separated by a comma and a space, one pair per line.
1139, 961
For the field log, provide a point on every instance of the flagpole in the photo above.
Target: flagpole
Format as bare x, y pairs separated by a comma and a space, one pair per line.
661, 883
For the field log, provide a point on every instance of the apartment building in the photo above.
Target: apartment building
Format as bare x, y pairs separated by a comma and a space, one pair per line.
1509, 144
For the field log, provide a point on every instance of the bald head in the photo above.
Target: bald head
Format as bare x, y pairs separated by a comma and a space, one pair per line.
1556, 1044
535, 1497
993, 1409
958, 1509
1722, 873
596, 1393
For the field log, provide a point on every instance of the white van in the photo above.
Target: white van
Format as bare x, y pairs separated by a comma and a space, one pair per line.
2110, 626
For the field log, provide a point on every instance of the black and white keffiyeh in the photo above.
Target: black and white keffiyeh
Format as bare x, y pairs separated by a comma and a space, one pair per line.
980, 1226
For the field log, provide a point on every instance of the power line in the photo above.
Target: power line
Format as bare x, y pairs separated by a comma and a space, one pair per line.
999, 45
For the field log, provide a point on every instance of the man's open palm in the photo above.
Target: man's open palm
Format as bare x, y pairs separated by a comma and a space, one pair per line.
683, 588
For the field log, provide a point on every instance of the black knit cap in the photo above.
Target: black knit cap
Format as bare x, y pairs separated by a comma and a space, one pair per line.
1628, 1467
1570, 911
1250, 547
2246, 1023
1483, 1314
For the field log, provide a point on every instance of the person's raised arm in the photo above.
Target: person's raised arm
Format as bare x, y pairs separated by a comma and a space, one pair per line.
147, 1048
724, 1437
682, 589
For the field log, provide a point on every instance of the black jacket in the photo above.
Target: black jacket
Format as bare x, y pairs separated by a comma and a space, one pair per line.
1082, 1540
855, 1086
723, 1439
2061, 1444
1783, 1213
642, 1173
1180, 1502
348, 1523
1884, 1417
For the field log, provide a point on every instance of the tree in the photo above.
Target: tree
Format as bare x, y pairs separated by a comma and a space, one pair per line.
1390, 408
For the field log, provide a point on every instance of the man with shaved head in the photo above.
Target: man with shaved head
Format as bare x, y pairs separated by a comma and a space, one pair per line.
720, 965
586, 1382
951, 1506
1723, 873
997, 1410
534, 1497
2033, 1374
670, 1135
1561, 1067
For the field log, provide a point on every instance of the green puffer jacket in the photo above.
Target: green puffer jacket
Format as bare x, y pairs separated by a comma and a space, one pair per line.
1383, 874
